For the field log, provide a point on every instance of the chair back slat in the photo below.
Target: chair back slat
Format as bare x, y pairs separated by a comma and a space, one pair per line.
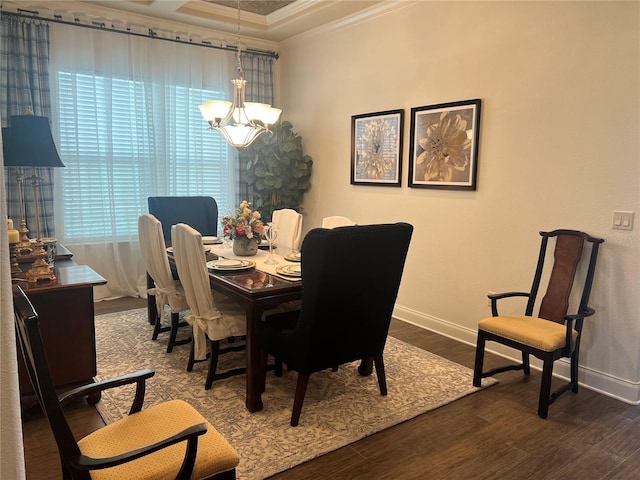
567, 255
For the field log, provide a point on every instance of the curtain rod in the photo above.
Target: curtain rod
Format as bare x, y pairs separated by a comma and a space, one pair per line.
33, 15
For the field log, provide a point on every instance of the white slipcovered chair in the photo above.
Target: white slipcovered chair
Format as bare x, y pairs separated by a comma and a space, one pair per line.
212, 320
288, 223
337, 221
167, 290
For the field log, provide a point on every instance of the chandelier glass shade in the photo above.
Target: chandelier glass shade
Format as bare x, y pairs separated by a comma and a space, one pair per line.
239, 122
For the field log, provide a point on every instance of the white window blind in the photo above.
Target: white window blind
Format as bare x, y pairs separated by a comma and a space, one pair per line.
122, 141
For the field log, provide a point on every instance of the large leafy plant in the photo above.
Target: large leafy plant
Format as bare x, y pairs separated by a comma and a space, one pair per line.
278, 173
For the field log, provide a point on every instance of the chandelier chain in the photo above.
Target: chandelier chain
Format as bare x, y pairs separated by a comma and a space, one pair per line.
240, 71
239, 122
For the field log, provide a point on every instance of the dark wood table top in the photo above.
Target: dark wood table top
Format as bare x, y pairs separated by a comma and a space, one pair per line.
252, 283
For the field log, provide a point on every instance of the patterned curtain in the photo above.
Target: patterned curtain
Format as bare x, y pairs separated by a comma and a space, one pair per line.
258, 72
24, 83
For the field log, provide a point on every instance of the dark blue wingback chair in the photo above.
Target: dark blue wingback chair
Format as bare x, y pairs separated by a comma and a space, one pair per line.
351, 276
200, 213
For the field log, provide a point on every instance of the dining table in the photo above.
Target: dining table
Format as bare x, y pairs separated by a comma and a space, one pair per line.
257, 288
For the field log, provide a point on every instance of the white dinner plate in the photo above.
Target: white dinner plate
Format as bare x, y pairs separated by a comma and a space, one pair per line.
206, 249
211, 240
230, 264
227, 262
293, 257
290, 270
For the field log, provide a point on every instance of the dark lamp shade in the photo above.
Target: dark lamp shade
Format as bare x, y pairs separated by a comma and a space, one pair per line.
28, 143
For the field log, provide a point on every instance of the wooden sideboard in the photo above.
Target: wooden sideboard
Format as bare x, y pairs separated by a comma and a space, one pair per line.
66, 314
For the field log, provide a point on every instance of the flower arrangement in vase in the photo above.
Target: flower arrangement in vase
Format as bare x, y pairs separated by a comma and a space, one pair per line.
245, 228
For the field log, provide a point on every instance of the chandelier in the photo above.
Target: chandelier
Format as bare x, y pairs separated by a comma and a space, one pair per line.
239, 122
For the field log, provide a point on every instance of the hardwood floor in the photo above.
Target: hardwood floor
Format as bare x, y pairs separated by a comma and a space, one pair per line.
492, 434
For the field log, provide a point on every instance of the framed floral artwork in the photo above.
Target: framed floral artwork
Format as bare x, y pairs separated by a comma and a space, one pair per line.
444, 145
376, 148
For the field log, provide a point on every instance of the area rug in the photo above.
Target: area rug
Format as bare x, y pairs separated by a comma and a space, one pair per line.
340, 407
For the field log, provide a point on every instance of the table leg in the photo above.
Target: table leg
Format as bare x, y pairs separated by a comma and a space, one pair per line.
254, 359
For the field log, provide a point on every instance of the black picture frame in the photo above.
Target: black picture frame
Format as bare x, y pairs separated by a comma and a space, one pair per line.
376, 148
444, 145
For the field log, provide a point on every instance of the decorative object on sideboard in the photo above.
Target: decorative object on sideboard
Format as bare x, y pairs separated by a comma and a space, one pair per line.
239, 122
23, 247
14, 239
50, 246
29, 143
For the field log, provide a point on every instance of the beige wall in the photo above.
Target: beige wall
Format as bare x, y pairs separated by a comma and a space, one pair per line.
559, 148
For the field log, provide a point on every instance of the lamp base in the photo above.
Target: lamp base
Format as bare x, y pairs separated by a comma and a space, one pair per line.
16, 272
40, 271
24, 248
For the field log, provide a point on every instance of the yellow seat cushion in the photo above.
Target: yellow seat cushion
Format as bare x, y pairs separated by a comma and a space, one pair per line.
532, 331
215, 455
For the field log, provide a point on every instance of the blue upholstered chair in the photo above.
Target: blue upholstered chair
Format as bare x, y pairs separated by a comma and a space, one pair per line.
347, 302
198, 212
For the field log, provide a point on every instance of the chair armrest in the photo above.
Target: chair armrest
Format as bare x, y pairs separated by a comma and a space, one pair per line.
587, 313
138, 377
190, 434
571, 320
494, 297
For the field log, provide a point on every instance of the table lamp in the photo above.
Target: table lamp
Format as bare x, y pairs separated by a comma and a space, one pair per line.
28, 143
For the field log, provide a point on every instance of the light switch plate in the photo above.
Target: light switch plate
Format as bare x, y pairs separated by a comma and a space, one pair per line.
623, 220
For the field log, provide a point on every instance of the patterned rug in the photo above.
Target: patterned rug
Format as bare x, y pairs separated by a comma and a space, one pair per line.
340, 407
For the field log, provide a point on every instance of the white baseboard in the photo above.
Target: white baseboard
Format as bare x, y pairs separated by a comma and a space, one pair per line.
600, 382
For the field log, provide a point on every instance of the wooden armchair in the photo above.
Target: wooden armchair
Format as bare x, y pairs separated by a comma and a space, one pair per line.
552, 334
168, 440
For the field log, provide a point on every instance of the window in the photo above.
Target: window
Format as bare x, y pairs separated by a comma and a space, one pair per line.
122, 141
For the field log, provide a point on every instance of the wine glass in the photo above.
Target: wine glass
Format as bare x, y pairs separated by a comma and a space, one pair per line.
271, 233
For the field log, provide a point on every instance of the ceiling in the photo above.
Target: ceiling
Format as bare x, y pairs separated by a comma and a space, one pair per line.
264, 7
272, 21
